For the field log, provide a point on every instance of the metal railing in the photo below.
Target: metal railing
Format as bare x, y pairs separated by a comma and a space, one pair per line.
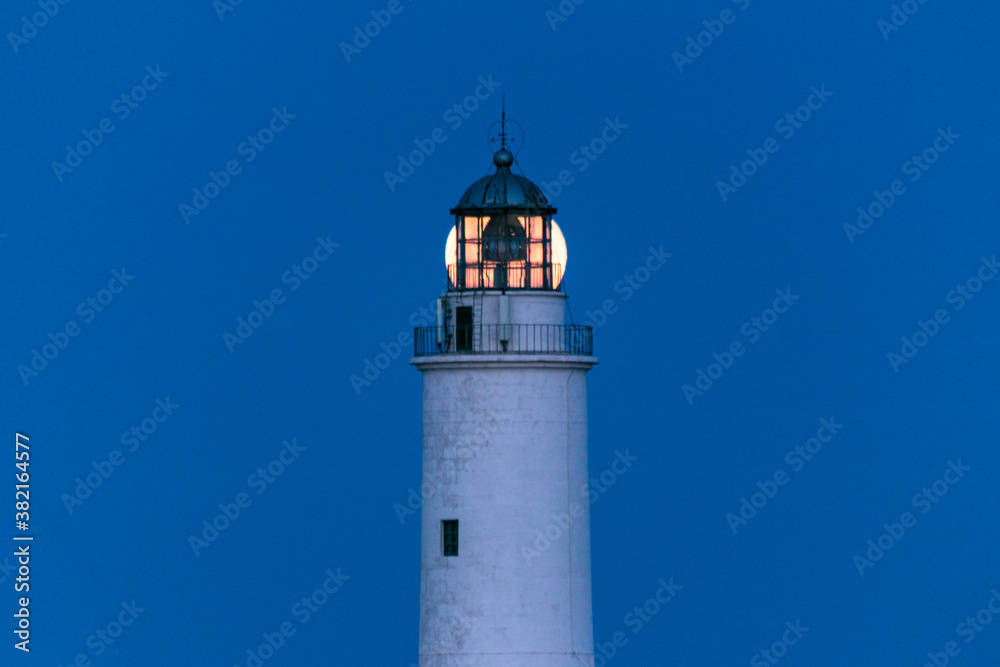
485, 275
575, 339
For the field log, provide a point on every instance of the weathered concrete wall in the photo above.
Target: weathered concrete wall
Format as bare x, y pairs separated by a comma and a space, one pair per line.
506, 436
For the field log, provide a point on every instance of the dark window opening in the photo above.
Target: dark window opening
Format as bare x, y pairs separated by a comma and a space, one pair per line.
463, 327
449, 536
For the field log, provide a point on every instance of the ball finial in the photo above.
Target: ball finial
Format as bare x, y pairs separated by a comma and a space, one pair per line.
503, 158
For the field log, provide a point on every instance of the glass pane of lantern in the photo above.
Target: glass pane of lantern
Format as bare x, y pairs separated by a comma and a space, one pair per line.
536, 226
516, 249
537, 277
536, 253
471, 228
471, 252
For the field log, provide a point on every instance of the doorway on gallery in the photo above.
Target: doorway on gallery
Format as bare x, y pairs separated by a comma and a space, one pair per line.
463, 328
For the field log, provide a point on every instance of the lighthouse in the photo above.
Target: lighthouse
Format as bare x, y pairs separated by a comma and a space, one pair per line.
505, 525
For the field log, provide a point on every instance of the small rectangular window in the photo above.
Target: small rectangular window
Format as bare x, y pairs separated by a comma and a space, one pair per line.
449, 536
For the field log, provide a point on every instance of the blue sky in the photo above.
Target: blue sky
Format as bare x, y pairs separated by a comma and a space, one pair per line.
747, 137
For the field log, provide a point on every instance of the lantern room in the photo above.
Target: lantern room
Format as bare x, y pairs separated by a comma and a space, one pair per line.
504, 236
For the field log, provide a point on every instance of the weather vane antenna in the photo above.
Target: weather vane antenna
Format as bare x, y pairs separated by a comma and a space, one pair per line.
509, 141
503, 121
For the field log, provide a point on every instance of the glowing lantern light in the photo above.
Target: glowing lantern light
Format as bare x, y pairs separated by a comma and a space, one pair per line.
559, 251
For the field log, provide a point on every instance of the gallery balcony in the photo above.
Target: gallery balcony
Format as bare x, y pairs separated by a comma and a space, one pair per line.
573, 339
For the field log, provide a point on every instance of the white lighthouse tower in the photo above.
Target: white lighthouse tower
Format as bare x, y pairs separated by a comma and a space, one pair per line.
505, 534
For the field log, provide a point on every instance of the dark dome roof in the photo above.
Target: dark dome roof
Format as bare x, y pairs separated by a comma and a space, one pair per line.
502, 189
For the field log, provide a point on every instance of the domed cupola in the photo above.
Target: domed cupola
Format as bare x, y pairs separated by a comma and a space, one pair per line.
503, 189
